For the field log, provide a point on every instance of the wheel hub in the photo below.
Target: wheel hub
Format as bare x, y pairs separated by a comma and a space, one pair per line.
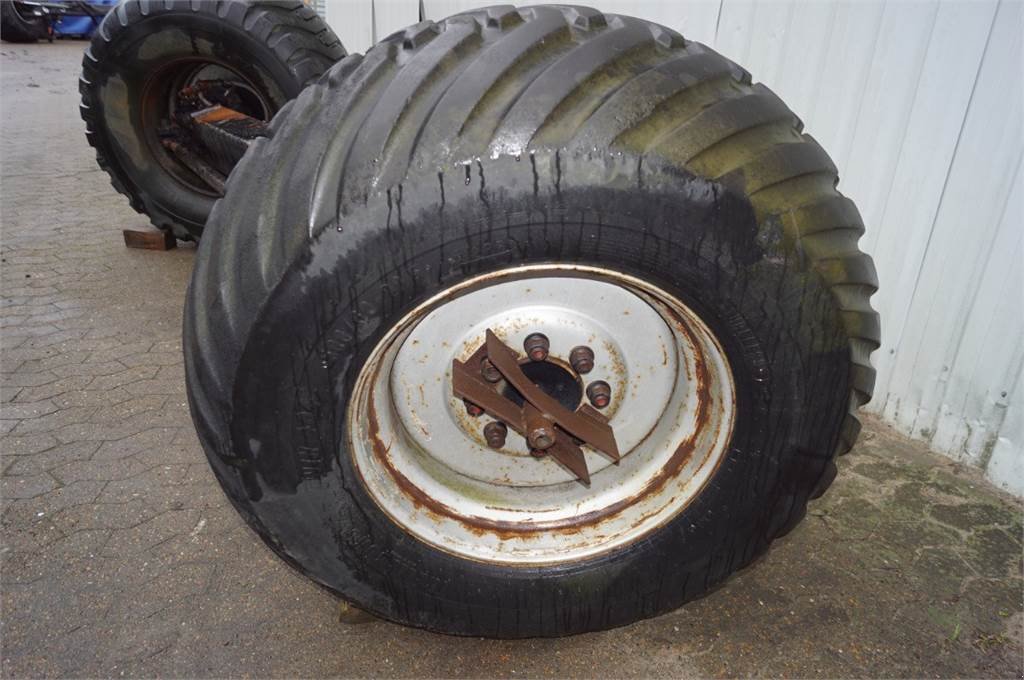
548, 425
447, 416
561, 384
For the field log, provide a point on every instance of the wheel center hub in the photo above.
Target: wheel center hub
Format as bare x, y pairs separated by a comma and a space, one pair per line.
557, 382
550, 429
631, 353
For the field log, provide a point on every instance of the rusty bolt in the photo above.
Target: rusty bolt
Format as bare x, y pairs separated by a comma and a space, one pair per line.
536, 346
582, 359
472, 409
541, 438
489, 371
599, 393
495, 433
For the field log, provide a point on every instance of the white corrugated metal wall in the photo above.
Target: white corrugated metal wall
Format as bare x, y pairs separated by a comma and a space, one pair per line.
920, 106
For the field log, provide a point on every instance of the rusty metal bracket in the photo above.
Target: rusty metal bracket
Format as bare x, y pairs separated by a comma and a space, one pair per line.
539, 413
227, 133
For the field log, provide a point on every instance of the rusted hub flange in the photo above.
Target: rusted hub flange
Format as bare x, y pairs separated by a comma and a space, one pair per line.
450, 480
548, 427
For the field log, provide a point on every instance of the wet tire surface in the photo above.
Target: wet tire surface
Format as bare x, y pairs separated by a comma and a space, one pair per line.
493, 139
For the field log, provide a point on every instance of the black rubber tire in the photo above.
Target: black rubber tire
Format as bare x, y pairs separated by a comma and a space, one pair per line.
278, 47
489, 140
17, 29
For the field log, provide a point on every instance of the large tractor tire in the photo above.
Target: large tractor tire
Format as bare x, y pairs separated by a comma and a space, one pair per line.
145, 54
529, 323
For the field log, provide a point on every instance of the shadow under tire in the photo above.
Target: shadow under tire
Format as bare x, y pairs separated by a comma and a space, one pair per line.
141, 51
457, 151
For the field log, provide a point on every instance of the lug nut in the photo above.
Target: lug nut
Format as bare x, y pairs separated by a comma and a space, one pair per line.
495, 433
536, 346
472, 409
582, 359
489, 371
541, 438
599, 393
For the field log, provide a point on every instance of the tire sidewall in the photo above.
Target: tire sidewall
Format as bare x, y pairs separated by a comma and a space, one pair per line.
294, 480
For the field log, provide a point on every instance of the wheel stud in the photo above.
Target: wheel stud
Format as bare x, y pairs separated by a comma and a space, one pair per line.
495, 433
536, 346
472, 409
582, 359
599, 393
488, 371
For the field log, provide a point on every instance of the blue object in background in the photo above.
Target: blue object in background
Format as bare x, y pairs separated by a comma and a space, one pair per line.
74, 25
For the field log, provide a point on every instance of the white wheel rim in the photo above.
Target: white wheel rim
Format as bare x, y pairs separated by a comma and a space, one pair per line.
425, 461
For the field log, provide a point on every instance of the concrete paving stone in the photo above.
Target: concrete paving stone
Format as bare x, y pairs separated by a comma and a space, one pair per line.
152, 532
78, 398
38, 312
13, 341
9, 394
168, 346
34, 359
102, 432
87, 516
153, 358
89, 368
26, 486
124, 378
57, 339
144, 483
49, 459
133, 408
55, 389
54, 421
119, 553
200, 496
28, 444
149, 439
123, 350
28, 513
104, 470
169, 386
29, 291
23, 410
56, 317
28, 379
25, 537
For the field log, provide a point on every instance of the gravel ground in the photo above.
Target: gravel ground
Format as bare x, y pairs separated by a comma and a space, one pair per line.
120, 555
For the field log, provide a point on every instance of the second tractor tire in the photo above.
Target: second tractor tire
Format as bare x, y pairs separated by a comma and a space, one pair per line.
139, 54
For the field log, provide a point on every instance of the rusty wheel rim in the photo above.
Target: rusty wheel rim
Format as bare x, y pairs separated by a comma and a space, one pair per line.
434, 469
